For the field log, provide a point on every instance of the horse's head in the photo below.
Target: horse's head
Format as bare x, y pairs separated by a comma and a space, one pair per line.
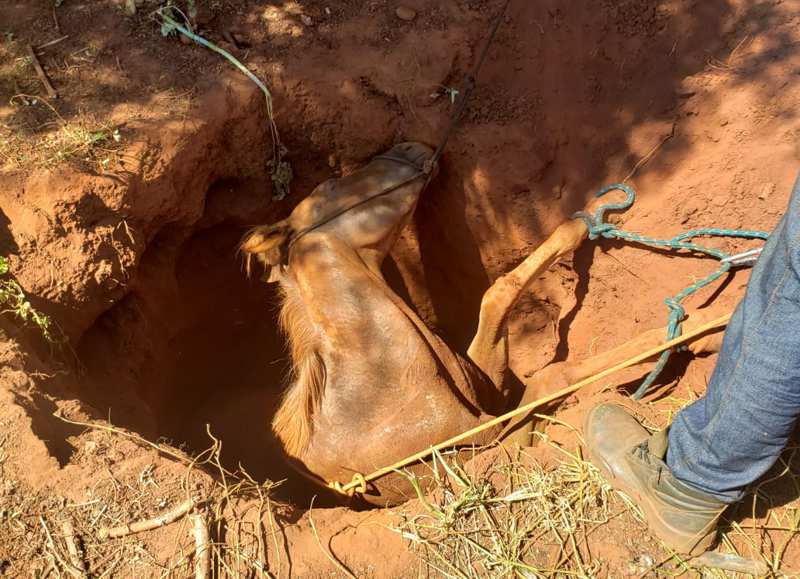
366, 210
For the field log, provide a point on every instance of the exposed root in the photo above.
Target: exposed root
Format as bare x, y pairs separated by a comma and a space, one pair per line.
127, 434
331, 557
234, 507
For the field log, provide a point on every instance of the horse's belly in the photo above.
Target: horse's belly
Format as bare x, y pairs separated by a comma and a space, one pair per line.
362, 434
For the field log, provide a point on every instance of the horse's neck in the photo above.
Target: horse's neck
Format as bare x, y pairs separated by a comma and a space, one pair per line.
344, 295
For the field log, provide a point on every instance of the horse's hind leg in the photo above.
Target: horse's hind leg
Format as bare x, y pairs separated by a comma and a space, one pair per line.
562, 374
489, 347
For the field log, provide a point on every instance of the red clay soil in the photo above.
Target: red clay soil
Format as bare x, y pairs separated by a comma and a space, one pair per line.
129, 244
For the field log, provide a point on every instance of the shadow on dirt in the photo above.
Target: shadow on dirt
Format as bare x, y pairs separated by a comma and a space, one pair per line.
566, 89
8, 245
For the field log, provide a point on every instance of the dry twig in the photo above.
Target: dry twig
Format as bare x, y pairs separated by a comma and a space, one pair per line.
51, 91
165, 518
52, 42
55, 556
55, 18
202, 542
72, 548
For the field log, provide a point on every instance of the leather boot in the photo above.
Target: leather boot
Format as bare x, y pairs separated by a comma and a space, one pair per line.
632, 461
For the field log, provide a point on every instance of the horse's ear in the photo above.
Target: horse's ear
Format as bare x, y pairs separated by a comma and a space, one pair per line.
268, 243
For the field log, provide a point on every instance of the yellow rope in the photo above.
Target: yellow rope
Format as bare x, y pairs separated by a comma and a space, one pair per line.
359, 482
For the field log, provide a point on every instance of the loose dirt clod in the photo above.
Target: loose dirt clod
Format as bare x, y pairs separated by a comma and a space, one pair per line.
405, 13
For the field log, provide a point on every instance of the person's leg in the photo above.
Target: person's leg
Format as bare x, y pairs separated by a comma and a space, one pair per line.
730, 437
735, 433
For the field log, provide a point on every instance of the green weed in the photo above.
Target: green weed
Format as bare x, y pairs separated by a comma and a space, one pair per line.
13, 301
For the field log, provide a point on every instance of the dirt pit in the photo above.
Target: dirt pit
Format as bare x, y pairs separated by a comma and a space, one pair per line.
201, 346
122, 201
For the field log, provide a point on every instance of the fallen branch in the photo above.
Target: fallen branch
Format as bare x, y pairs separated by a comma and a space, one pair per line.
37, 65
165, 518
202, 544
72, 548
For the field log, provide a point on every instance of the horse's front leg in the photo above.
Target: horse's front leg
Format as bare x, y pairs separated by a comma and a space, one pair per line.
489, 347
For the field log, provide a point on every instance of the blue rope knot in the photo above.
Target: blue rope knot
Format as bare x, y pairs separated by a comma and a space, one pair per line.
599, 228
594, 223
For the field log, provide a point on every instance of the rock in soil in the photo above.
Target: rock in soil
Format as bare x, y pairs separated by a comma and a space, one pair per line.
405, 13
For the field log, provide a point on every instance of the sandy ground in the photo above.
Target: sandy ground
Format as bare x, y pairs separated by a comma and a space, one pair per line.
121, 203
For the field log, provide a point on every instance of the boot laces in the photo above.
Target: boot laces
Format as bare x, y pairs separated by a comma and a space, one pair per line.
642, 452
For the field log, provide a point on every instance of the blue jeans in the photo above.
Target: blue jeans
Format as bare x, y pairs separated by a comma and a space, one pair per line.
729, 438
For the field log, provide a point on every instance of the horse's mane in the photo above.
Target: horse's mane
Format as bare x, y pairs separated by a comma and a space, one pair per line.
293, 423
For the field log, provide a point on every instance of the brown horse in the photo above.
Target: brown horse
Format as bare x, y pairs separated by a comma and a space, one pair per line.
371, 383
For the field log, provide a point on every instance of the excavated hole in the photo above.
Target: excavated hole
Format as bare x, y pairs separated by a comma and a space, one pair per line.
195, 342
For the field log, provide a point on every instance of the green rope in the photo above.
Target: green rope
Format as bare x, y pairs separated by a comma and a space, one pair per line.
280, 169
599, 228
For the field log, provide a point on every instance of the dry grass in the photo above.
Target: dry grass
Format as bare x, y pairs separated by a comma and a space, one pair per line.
522, 520
523, 517
46, 145
32, 523
34, 134
526, 519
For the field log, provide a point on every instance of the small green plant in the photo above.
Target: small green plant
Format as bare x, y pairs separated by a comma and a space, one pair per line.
13, 301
